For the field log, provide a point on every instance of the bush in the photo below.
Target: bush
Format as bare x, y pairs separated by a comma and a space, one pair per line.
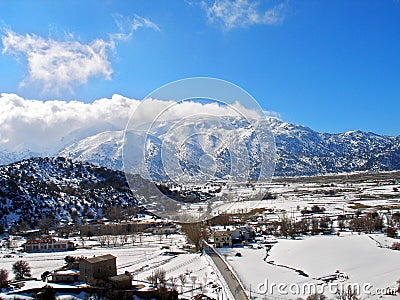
396, 246
3, 278
391, 232
46, 293
21, 269
317, 296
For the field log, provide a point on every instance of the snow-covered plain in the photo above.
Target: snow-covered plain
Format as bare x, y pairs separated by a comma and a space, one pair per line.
141, 259
357, 256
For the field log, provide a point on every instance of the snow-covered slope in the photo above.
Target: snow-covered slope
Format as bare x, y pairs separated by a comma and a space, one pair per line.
60, 189
103, 149
300, 150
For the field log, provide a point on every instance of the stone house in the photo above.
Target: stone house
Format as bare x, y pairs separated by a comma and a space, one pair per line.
222, 238
47, 245
121, 282
65, 276
97, 270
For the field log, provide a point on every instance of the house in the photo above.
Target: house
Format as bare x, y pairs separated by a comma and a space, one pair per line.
47, 245
65, 276
31, 234
121, 282
163, 230
246, 233
222, 238
97, 269
114, 228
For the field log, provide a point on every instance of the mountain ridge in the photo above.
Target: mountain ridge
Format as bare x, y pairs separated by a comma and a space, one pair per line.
300, 150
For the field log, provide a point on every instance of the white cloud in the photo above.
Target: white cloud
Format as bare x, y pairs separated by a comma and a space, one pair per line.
58, 66
230, 14
48, 126
127, 25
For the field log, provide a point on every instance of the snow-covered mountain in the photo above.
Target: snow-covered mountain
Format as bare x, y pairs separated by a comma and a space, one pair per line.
59, 189
299, 150
187, 150
302, 151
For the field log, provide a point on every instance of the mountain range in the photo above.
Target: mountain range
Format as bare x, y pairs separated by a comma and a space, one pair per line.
84, 179
300, 151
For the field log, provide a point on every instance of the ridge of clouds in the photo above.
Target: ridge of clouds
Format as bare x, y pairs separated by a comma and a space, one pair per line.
48, 126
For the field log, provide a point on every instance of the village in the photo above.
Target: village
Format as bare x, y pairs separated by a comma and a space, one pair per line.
150, 257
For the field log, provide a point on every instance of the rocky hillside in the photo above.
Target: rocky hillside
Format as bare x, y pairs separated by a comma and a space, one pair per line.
60, 190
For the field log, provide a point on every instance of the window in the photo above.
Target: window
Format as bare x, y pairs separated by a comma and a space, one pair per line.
109, 268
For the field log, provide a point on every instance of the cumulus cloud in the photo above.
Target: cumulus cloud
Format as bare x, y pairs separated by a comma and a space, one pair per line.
230, 14
45, 126
48, 126
61, 65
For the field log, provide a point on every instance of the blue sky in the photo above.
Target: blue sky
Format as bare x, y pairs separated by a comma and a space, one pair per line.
330, 65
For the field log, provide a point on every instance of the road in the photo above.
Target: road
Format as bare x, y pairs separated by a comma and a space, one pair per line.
230, 278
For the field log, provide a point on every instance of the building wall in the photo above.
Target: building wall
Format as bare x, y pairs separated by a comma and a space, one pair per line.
222, 239
126, 283
112, 229
46, 247
92, 272
64, 278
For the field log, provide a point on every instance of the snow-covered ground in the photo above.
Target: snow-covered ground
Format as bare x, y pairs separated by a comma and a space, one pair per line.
142, 259
296, 263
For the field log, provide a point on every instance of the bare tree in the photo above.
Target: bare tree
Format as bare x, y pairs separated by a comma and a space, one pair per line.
349, 294
161, 276
133, 238
193, 278
205, 278
314, 226
183, 279
102, 240
152, 279
173, 281
108, 240
196, 233
114, 240
123, 239
140, 237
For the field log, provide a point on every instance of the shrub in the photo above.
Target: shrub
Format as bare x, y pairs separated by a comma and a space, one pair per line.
396, 246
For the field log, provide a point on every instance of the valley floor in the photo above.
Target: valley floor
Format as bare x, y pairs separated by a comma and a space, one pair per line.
295, 264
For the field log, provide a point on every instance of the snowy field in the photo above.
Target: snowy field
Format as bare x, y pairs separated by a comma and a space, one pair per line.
141, 259
306, 261
363, 261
